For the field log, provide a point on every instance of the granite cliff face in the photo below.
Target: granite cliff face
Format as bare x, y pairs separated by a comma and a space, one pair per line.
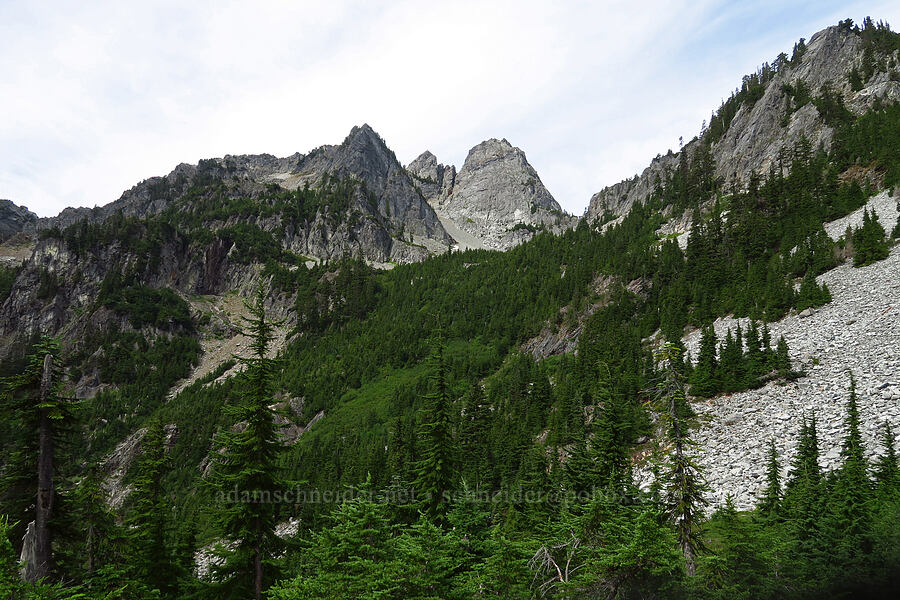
761, 130
13, 219
497, 199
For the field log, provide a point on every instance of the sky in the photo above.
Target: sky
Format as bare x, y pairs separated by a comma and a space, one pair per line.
97, 96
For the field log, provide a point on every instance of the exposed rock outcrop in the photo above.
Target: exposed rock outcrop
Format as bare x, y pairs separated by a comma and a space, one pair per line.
13, 219
497, 197
386, 220
858, 331
115, 466
761, 130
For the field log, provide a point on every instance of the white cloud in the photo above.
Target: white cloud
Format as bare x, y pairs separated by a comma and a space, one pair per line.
98, 96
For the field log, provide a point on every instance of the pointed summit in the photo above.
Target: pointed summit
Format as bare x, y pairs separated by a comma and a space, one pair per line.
498, 197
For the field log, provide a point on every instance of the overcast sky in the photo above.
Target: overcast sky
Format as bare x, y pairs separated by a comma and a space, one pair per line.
97, 96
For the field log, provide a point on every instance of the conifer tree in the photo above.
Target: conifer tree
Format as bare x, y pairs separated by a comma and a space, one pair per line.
848, 517
248, 467
401, 450
704, 379
580, 467
434, 470
755, 356
103, 543
474, 436
766, 338
869, 244
503, 573
40, 413
11, 586
811, 294
610, 447
428, 560
803, 499
353, 557
731, 363
683, 485
771, 500
782, 361
148, 525
887, 469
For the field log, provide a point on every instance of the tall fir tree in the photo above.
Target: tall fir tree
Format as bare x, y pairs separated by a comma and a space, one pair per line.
683, 485
434, 471
248, 469
705, 377
355, 556
869, 243
475, 436
148, 524
755, 367
781, 360
41, 414
611, 443
770, 503
887, 469
804, 501
848, 517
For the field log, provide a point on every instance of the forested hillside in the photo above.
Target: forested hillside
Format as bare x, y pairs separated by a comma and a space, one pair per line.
403, 443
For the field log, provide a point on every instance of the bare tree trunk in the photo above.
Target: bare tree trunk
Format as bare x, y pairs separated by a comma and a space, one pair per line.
44, 509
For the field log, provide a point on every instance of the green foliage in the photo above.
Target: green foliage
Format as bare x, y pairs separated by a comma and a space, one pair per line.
252, 244
736, 369
434, 469
770, 503
10, 582
246, 476
48, 285
811, 295
146, 306
7, 279
28, 419
871, 138
869, 243
683, 485
149, 538
353, 557
528, 460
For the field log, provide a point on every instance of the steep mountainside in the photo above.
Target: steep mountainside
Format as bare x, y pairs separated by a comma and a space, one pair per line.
497, 197
354, 198
789, 100
492, 412
13, 219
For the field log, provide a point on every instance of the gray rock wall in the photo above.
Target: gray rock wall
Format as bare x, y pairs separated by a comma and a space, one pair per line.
757, 134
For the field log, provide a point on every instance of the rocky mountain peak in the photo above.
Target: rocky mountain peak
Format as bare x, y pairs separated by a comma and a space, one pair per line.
773, 118
490, 150
497, 199
424, 166
13, 218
